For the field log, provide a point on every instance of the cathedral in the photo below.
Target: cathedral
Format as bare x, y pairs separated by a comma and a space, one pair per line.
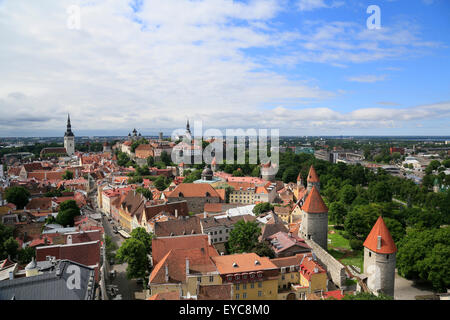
69, 139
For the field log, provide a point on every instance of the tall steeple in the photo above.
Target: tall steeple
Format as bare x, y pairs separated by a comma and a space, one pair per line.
187, 127
69, 132
69, 138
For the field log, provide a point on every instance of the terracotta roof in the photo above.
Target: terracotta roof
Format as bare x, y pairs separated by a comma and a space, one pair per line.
312, 175
387, 243
180, 227
189, 190
162, 245
170, 207
314, 202
41, 203
171, 295
143, 147
213, 207
215, 292
337, 294
243, 262
221, 193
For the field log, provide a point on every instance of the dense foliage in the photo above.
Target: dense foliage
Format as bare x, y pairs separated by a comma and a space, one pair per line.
17, 195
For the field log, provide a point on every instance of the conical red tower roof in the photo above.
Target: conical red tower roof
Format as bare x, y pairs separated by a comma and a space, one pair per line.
312, 175
314, 202
387, 243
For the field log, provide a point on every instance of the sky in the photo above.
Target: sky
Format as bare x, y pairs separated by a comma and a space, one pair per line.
305, 67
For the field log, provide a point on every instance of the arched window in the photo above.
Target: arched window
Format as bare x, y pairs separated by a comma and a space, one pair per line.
180, 194
208, 194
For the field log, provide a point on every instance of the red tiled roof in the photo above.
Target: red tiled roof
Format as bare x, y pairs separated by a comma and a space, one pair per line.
190, 190
337, 294
243, 262
213, 207
171, 295
314, 202
387, 243
312, 175
161, 246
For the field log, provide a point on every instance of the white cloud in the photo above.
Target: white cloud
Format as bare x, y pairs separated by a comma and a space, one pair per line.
309, 5
370, 78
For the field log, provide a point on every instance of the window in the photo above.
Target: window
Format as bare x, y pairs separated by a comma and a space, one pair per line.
387, 257
244, 295
244, 286
237, 286
282, 277
220, 231
220, 239
259, 284
252, 285
199, 279
259, 293
211, 278
370, 254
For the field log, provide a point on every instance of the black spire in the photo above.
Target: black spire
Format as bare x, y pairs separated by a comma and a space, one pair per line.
187, 127
69, 132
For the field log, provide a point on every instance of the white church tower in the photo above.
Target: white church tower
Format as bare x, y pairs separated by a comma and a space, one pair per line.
69, 139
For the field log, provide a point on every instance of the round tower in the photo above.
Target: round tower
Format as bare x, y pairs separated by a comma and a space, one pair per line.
380, 259
314, 225
268, 171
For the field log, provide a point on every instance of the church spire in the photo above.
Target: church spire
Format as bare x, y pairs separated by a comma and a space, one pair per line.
69, 127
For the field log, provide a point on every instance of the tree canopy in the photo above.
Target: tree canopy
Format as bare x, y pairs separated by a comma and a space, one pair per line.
244, 237
17, 195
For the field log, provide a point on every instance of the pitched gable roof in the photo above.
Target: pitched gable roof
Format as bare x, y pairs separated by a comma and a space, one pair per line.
190, 190
387, 243
314, 202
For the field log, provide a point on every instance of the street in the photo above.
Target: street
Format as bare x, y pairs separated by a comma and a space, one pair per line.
128, 289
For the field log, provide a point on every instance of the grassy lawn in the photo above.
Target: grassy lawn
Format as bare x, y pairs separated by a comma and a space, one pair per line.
356, 260
337, 240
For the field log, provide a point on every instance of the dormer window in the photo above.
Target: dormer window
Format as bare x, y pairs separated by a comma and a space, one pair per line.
235, 265
180, 194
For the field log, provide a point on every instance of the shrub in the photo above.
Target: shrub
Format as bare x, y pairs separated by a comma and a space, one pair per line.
356, 244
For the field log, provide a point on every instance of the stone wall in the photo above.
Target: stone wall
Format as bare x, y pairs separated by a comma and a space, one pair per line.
335, 269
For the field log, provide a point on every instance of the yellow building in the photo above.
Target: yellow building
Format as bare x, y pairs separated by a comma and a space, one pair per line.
299, 275
253, 277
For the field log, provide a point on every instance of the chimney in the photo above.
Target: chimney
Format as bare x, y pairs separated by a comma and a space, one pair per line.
379, 242
166, 267
176, 213
187, 266
11, 275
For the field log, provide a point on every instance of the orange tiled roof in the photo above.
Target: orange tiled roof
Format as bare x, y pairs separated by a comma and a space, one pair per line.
312, 175
387, 243
193, 190
314, 202
245, 262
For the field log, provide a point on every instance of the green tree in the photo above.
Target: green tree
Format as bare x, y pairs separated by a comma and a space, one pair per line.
366, 296
347, 194
360, 220
17, 195
145, 192
134, 252
165, 157
337, 212
160, 183
68, 175
25, 255
244, 237
142, 235
380, 192
425, 255
290, 175
256, 172
67, 211
262, 207
150, 161
395, 228
263, 249
5, 234
238, 173
11, 246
